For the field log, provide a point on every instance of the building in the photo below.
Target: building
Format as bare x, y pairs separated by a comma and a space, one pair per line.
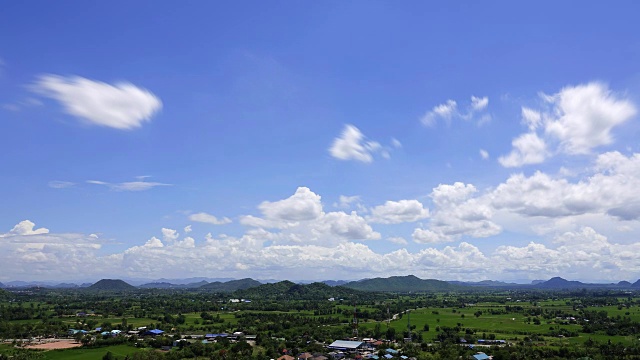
345, 345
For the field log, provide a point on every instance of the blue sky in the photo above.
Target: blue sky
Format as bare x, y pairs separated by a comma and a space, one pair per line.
319, 140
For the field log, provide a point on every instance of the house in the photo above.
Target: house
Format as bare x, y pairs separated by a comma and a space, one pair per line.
345, 345
391, 351
305, 356
286, 357
154, 332
480, 356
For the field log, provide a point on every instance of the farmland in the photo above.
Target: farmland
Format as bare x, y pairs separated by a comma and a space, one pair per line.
561, 324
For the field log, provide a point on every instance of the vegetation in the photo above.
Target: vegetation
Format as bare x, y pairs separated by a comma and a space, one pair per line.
528, 322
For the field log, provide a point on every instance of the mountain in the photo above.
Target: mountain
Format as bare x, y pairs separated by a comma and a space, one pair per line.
486, 284
1, 285
536, 282
624, 284
65, 286
292, 291
335, 282
636, 284
167, 285
111, 285
560, 283
408, 283
230, 286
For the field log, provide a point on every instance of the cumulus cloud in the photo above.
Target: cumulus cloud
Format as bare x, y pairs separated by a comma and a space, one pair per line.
122, 106
587, 114
25, 227
303, 205
169, 234
484, 154
457, 213
353, 145
479, 103
398, 240
346, 202
301, 219
580, 118
209, 219
444, 111
140, 185
527, 149
583, 253
448, 111
395, 212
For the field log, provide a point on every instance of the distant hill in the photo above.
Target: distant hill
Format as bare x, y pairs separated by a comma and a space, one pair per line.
559, 283
624, 284
65, 286
111, 285
335, 282
486, 284
1, 285
536, 282
636, 284
408, 283
292, 291
231, 286
167, 285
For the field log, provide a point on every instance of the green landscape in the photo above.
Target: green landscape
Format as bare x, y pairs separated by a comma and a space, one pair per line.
400, 317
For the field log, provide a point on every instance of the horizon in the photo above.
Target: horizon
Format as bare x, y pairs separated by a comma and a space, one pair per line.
184, 281
331, 140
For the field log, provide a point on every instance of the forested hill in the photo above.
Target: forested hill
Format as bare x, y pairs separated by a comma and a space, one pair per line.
111, 285
1, 285
231, 286
408, 283
292, 291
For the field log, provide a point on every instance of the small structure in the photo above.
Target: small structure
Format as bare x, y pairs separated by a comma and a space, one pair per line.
480, 356
345, 345
154, 332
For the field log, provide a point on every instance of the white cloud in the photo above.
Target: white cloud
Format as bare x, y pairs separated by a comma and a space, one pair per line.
209, 219
484, 154
478, 104
31, 254
531, 118
303, 205
396, 143
140, 185
580, 119
301, 219
449, 111
527, 149
169, 234
346, 202
25, 227
457, 213
60, 184
121, 106
444, 111
587, 114
395, 212
353, 145
398, 240
187, 229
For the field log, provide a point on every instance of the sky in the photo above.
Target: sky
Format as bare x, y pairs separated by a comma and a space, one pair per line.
320, 140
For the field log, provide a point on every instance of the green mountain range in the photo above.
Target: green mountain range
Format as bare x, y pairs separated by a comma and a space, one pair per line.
409, 283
